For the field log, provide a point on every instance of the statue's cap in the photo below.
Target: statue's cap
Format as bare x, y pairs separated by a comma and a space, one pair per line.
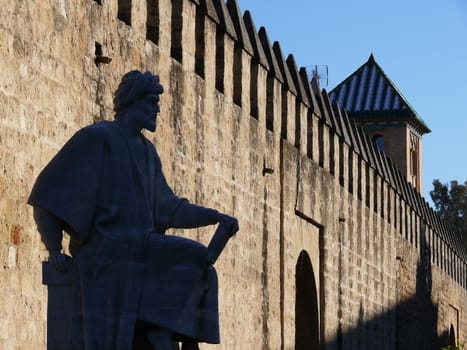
133, 86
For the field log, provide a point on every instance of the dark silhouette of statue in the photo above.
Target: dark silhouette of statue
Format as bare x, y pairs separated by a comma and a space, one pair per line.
133, 286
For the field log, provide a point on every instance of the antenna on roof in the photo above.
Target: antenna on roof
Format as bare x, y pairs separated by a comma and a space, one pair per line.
319, 72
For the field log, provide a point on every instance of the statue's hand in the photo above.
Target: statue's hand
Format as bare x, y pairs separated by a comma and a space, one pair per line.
230, 222
228, 226
61, 262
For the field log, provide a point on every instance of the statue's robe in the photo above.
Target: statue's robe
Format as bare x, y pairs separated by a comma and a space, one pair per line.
125, 267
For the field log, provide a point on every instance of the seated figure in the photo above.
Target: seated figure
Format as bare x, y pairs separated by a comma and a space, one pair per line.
133, 286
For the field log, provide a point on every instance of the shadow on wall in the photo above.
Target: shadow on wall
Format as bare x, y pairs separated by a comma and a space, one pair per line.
417, 318
412, 324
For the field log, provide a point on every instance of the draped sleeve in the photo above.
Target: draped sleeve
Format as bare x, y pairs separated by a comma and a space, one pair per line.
68, 186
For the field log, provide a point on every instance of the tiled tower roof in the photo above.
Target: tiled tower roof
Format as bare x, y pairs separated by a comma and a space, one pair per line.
369, 95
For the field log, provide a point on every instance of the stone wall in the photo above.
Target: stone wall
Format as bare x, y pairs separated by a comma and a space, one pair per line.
241, 129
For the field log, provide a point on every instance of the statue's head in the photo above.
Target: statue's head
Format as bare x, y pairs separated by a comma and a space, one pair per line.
133, 86
139, 93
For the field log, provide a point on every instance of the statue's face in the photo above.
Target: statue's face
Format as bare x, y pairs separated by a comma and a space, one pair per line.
145, 112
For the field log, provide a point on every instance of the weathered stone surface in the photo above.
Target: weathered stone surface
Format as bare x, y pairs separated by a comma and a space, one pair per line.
304, 190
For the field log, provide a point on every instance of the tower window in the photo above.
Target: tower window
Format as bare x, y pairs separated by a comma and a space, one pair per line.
414, 159
378, 141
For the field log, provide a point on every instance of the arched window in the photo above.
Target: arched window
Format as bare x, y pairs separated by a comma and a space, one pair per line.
306, 305
378, 141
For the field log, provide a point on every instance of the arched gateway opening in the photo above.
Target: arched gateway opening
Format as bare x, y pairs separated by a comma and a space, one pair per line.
306, 305
452, 337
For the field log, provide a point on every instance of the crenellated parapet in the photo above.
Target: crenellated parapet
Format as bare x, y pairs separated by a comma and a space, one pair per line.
295, 108
243, 129
311, 100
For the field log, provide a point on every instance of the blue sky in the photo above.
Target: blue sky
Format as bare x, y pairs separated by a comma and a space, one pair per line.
421, 46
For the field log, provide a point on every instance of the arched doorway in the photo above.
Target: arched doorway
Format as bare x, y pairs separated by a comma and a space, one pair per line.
306, 305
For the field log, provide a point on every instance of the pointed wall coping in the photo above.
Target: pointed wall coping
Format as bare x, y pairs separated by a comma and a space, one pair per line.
387, 162
225, 21
306, 82
242, 35
319, 99
408, 190
368, 148
340, 119
288, 82
327, 104
427, 211
292, 66
380, 156
424, 206
402, 181
362, 152
391, 169
350, 129
418, 201
243, 31
381, 160
259, 54
380, 165
269, 53
413, 194
210, 10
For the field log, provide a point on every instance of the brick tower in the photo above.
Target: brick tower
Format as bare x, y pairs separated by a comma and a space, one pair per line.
374, 103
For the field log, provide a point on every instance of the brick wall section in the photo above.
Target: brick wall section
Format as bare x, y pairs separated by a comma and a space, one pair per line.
309, 181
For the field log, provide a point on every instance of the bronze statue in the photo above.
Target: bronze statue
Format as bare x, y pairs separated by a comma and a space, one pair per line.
133, 286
